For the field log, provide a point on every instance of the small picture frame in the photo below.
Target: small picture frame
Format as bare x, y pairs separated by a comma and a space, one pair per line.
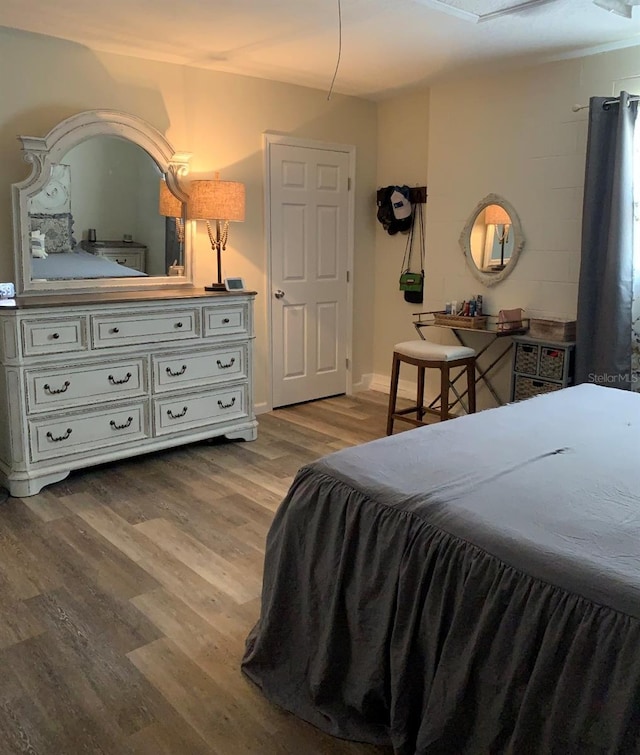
234, 284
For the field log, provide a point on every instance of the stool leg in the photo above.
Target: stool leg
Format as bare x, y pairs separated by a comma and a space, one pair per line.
471, 385
444, 391
420, 396
393, 392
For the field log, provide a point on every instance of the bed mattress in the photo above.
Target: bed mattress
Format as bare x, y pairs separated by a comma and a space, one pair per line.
79, 264
468, 587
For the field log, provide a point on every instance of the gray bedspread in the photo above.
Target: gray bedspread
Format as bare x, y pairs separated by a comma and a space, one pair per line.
79, 264
468, 587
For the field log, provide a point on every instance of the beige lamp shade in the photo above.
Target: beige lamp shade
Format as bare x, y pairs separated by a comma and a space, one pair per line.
496, 215
216, 200
169, 205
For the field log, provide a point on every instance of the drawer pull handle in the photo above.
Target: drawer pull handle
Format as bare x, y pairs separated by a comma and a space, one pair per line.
54, 391
181, 371
177, 416
178, 325
60, 437
225, 366
227, 406
115, 426
121, 262
226, 321
115, 330
55, 336
124, 380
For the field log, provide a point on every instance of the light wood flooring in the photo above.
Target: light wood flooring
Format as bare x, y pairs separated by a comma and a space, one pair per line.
127, 591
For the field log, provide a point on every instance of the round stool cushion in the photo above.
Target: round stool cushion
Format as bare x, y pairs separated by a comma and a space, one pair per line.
433, 352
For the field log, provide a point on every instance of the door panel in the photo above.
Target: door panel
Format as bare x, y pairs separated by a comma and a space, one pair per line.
294, 336
309, 205
327, 337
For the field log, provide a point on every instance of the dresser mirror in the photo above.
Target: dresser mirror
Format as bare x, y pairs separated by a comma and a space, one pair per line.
492, 240
103, 208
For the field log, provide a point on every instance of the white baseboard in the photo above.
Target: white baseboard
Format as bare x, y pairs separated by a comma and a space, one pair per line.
261, 408
382, 383
364, 384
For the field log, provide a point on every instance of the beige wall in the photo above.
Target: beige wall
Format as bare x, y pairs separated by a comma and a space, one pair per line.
511, 133
220, 119
515, 134
403, 140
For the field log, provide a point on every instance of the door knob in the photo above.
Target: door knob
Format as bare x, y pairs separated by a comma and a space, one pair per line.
279, 294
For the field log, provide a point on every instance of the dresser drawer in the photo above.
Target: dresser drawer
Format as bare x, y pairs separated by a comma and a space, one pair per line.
229, 320
144, 327
193, 369
134, 260
67, 386
54, 336
91, 431
189, 412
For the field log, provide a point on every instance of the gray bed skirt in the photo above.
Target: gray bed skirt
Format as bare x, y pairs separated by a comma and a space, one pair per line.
466, 602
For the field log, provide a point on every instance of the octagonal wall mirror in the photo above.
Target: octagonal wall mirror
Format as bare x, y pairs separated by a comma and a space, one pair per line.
492, 240
103, 208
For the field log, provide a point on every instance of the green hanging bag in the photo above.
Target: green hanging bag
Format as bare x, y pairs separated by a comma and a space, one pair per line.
413, 283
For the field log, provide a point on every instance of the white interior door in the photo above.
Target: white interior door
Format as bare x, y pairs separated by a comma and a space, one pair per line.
309, 251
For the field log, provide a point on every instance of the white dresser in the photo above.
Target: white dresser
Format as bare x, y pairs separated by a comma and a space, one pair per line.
93, 378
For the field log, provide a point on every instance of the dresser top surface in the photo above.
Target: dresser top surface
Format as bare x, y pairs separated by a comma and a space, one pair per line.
97, 246
115, 297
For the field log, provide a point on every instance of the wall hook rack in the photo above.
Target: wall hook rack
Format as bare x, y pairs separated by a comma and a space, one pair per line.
418, 195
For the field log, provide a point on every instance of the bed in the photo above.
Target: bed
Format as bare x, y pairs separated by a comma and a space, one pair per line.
468, 587
78, 264
64, 258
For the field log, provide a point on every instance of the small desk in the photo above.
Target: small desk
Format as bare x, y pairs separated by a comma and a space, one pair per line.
493, 330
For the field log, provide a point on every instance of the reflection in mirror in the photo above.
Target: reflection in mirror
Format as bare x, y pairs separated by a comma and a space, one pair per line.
171, 208
99, 215
492, 240
498, 243
93, 213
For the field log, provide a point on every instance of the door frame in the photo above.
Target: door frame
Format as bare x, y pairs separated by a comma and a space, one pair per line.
269, 138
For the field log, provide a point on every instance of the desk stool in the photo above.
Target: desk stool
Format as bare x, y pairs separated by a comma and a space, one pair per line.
426, 355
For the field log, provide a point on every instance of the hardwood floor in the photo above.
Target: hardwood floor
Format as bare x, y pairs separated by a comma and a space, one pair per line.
127, 591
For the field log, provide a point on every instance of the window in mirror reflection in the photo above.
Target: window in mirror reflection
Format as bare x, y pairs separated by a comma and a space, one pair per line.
492, 239
99, 215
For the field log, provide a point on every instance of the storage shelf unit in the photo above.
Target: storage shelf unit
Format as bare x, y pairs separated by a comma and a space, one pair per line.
540, 366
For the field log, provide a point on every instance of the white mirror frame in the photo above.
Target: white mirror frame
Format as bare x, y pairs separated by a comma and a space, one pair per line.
490, 279
44, 152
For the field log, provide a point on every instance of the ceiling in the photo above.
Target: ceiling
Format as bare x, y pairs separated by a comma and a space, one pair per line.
387, 45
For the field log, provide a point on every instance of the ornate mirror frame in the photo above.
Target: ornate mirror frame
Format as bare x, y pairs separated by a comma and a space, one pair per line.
491, 278
45, 152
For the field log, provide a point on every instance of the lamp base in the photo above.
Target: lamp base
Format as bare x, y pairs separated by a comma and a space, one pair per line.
215, 287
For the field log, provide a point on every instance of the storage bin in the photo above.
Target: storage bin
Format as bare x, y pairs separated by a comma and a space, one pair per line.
526, 387
527, 358
552, 330
551, 363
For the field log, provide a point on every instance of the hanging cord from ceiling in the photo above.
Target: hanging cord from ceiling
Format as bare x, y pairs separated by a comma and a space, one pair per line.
333, 80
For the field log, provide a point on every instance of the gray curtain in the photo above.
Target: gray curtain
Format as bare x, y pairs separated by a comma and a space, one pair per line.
603, 344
